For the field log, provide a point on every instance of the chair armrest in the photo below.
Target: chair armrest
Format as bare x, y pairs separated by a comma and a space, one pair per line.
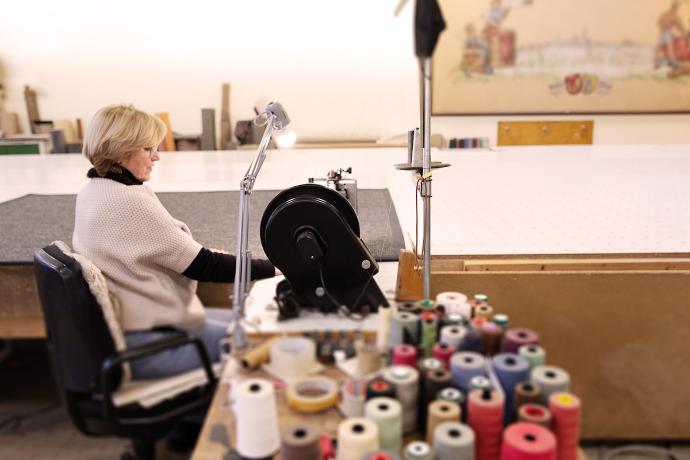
113, 362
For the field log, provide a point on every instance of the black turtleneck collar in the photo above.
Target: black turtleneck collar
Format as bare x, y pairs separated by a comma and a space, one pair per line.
118, 174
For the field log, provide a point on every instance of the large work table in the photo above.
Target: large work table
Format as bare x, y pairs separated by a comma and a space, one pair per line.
586, 244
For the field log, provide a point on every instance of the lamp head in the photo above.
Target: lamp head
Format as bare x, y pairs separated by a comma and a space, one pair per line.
281, 117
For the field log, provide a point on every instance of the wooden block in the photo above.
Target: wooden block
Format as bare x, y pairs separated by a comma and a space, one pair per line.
545, 132
409, 283
80, 130
9, 123
208, 129
31, 107
168, 144
225, 124
42, 126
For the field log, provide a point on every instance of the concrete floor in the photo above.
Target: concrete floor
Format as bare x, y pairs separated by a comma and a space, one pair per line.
33, 425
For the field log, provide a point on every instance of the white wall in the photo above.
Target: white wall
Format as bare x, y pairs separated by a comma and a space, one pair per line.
343, 69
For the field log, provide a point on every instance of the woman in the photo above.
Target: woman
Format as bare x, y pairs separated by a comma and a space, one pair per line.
149, 258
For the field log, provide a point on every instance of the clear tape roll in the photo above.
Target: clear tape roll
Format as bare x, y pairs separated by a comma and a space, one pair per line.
453, 441
312, 394
387, 414
256, 418
293, 357
368, 357
356, 437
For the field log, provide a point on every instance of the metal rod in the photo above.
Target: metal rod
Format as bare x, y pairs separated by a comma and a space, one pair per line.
243, 258
426, 169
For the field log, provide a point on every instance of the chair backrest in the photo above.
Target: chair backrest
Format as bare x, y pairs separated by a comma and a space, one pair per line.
78, 337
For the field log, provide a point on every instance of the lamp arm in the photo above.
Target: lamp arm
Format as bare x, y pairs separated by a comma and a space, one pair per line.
258, 161
243, 260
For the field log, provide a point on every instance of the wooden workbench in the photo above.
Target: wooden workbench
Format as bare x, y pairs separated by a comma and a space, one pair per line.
218, 433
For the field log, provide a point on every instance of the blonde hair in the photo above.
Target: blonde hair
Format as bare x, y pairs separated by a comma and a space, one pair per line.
116, 131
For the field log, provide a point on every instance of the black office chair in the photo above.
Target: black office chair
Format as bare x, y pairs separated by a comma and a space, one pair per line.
88, 369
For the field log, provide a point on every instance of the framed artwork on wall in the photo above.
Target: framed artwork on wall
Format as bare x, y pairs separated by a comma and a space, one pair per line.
562, 56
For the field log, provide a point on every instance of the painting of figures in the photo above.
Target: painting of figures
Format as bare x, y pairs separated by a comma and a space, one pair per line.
562, 56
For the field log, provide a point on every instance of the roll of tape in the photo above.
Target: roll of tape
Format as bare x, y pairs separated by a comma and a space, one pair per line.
312, 394
293, 357
368, 357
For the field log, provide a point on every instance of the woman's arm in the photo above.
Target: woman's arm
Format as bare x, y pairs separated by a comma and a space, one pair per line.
218, 267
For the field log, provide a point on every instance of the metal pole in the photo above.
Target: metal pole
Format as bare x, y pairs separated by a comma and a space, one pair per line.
426, 174
243, 258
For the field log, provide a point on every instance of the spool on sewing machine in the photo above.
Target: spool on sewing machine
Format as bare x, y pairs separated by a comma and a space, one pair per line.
311, 233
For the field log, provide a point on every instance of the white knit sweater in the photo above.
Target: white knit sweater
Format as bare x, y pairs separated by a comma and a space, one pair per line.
142, 251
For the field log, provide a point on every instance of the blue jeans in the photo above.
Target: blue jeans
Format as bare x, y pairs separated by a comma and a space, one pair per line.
181, 359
